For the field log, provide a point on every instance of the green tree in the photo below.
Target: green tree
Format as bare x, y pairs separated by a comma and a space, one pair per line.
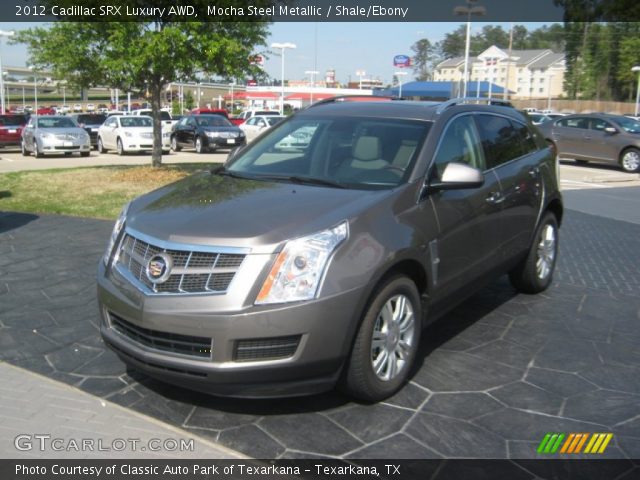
425, 56
147, 54
453, 43
629, 58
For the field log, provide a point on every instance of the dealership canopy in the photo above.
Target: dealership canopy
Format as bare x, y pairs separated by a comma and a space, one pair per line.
441, 90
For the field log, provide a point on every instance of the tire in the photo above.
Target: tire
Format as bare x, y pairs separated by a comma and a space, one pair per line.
101, 148
120, 147
199, 145
174, 144
581, 162
23, 150
630, 160
362, 379
535, 272
36, 152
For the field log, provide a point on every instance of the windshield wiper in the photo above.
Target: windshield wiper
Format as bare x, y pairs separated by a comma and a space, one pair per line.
305, 180
222, 170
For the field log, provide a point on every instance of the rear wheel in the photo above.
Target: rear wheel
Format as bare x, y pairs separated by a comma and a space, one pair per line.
535, 272
630, 160
386, 343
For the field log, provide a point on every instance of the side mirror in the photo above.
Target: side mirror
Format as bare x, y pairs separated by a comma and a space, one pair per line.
458, 176
611, 130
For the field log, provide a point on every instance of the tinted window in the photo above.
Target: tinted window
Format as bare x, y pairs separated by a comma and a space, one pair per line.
575, 122
56, 122
212, 121
91, 119
460, 143
628, 124
500, 141
12, 120
527, 139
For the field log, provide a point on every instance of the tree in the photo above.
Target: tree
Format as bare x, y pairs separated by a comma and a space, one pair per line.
147, 54
629, 58
454, 42
425, 56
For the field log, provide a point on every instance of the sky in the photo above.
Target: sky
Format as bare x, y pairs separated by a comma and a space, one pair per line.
345, 47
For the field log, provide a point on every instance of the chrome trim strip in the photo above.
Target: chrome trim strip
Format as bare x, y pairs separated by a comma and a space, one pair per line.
170, 245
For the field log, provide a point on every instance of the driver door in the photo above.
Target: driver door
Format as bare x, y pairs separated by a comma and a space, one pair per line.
468, 242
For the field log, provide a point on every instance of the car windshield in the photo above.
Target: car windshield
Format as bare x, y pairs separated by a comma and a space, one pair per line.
212, 121
92, 119
56, 122
628, 124
350, 152
12, 120
136, 122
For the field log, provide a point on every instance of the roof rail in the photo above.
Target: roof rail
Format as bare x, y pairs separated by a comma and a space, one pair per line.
477, 100
351, 98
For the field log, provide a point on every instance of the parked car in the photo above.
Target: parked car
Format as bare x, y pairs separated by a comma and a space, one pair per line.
11, 127
554, 115
598, 138
53, 134
258, 124
128, 133
205, 133
45, 111
165, 117
65, 109
284, 273
247, 114
91, 122
77, 107
90, 107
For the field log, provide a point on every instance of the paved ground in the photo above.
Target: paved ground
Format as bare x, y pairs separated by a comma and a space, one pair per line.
497, 373
32, 404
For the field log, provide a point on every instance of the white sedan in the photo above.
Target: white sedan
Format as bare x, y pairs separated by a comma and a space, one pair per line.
127, 133
258, 124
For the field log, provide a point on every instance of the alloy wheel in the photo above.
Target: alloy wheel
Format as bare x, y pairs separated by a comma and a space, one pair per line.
546, 252
393, 337
631, 161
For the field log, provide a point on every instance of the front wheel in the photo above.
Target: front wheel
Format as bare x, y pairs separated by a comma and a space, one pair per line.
535, 271
23, 150
630, 160
120, 147
174, 144
199, 145
101, 148
386, 344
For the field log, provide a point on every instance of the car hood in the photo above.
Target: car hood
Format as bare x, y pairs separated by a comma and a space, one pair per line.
208, 209
77, 130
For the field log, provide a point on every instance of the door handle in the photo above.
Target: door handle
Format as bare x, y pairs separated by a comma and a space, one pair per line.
495, 198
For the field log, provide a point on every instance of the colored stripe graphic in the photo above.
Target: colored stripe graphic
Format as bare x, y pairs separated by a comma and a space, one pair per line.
574, 443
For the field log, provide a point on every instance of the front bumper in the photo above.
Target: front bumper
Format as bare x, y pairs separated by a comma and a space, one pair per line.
220, 142
141, 144
53, 146
323, 328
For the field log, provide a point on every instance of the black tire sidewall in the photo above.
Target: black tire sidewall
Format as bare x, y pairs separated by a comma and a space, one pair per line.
361, 380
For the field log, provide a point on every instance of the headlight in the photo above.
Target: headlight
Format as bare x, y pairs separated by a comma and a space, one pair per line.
299, 268
45, 135
116, 231
213, 134
128, 134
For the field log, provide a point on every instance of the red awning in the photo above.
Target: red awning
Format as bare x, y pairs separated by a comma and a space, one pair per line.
242, 95
305, 96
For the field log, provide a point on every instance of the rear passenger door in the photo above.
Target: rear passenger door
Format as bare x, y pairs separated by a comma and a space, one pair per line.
469, 219
512, 153
568, 134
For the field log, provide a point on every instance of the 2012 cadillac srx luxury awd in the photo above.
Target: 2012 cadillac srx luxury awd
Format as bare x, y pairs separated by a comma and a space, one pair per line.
317, 253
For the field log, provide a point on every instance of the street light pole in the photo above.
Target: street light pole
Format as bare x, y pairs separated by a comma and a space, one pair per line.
637, 69
400, 75
468, 11
313, 73
3, 33
360, 74
282, 47
232, 84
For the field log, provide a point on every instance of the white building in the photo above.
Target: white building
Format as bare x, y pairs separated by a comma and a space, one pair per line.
527, 73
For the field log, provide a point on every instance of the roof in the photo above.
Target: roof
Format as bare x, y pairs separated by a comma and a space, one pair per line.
523, 57
547, 60
454, 62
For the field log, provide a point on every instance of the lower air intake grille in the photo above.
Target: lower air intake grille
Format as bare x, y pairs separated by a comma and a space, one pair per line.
265, 348
167, 342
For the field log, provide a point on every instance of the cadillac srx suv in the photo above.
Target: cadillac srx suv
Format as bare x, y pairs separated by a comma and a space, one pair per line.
315, 256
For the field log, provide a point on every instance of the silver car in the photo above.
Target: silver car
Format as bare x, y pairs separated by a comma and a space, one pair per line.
290, 270
54, 135
596, 137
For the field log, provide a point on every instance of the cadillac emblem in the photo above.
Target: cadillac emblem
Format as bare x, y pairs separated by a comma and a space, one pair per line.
159, 268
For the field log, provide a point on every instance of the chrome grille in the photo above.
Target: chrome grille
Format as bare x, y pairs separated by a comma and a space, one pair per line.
192, 271
146, 135
67, 136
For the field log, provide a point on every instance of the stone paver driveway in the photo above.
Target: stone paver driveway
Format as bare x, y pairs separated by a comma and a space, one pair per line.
496, 374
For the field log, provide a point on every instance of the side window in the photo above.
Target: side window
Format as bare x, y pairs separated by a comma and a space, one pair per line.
460, 143
527, 138
191, 122
575, 122
251, 121
599, 124
500, 140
